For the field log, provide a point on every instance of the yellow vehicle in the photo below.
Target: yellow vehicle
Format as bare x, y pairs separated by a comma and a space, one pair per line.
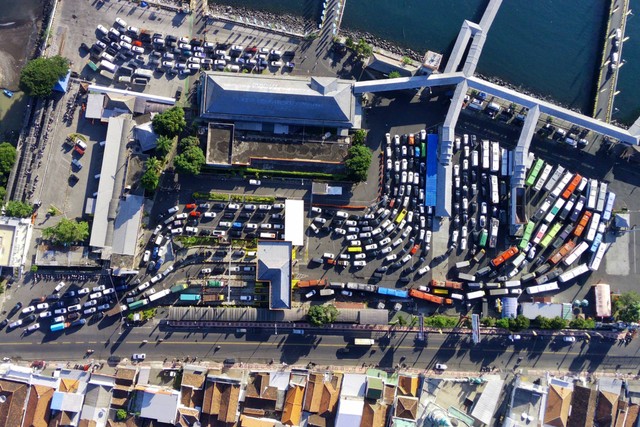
440, 291
354, 249
401, 216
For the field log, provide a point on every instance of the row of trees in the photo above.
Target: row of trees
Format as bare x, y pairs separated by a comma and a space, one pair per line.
556, 323
362, 49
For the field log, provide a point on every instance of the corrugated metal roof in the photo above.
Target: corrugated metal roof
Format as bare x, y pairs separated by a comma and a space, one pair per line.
282, 99
274, 266
294, 222
125, 234
486, 405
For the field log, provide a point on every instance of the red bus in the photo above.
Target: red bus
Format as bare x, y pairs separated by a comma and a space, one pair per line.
582, 223
572, 186
504, 256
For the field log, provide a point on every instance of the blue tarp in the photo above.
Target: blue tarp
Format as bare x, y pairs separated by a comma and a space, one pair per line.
62, 84
431, 181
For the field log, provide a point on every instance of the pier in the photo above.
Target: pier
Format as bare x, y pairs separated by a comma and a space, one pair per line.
606, 89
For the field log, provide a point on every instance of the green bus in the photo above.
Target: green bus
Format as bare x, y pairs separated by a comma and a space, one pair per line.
533, 174
214, 284
483, 238
190, 297
551, 234
178, 288
138, 304
526, 236
423, 150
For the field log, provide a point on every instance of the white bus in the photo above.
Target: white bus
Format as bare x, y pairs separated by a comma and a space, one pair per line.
554, 178
106, 65
575, 254
141, 72
495, 157
608, 207
542, 211
551, 286
485, 154
602, 196
573, 273
597, 256
557, 207
512, 284
592, 197
494, 190
542, 230
475, 295
466, 277
474, 158
593, 227
562, 184
542, 178
583, 183
517, 262
498, 292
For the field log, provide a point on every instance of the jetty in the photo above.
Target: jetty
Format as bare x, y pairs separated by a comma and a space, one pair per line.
611, 61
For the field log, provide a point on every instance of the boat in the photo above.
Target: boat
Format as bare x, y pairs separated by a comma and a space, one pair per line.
8, 93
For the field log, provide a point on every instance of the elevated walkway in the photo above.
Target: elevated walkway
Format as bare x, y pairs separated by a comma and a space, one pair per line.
403, 83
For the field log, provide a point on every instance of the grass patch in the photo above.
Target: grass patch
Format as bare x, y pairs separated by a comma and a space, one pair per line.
221, 197
298, 174
439, 321
259, 199
216, 197
188, 241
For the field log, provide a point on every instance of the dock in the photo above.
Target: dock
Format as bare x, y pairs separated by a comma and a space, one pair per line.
606, 88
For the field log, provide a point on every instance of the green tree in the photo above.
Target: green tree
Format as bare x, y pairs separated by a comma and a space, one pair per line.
627, 307
121, 415
151, 177
406, 60
358, 162
359, 137
543, 322
519, 323
67, 231
558, 323
363, 49
3, 193
190, 161
580, 323
7, 158
163, 146
349, 43
440, 321
488, 321
39, 75
18, 209
322, 314
502, 323
394, 75
170, 122
188, 142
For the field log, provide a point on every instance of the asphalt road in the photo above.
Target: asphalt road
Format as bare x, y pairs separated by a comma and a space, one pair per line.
456, 351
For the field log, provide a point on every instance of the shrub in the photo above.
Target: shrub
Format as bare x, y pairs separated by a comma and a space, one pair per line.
170, 122
40, 75
358, 162
322, 314
440, 321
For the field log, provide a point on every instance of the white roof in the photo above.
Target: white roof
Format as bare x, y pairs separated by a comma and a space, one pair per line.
160, 405
349, 412
95, 104
486, 405
127, 224
145, 96
354, 385
294, 222
107, 182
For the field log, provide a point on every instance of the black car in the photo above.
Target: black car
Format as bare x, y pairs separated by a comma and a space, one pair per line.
69, 294
218, 205
30, 318
59, 304
4, 323
15, 309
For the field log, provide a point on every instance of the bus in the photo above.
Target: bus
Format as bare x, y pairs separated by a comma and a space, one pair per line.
493, 232
573, 273
465, 277
517, 261
602, 194
445, 284
512, 284
542, 211
550, 235
533, 172
485, 154
57, 327
428, 297
542, 177
557, 257
498, 292
440, 291
540, 233
493, 189
566, 232
608, 207
582, 185
575, 254
577, 209
566, 178
354, 249
364, 341
504, 166
582, 223
475, 295
401, 216
568, 207
551, 286
526, 236
495, 157
189, 297
596, 242
593, 227
597, 256
592, 196
557, 206
504, 256
572, 186
482, 240
137, 304
554, 179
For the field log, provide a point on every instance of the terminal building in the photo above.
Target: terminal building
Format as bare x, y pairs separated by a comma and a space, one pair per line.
280, 105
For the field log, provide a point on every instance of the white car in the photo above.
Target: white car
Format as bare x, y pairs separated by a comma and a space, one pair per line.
29, 309
121, 22
95, 295
75, 307
351, 237
209, 214
385, 241
90, 303
252, 226
396, 166
250, 207
45, 314
173, 210
90, 311
42, 306
320, 220
206, 271
316, 209
99, 288
139, 356
360, 263
391, 257
83, 291
340, 231
359, 256
441, 367
59, 286
569, 339
424, 270
404, 177
404, 164
108, 291
183, 215
58, 319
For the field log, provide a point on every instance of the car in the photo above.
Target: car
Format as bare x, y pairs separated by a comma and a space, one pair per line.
138, 356
89, 311
99, 288
569, 339
45, 314
121, 22
173, 210
15, 324
441, 367
76, 307
103, 307
29, 309
360, 263
515, 337
90, 303
83, 291
58, 319
42, 306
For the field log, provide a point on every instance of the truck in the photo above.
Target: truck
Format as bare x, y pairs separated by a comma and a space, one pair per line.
327, 292
364, 341
59, 326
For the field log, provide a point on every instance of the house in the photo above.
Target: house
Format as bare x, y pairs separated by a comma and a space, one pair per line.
606, 408
583, 406
374, 414
406, 408
526, 406
97, 400
66, 404
157, 403
124, 381
37, 413
13, 396
191, 397
293, 405
408, 385
351, 403
220, 401
558, 406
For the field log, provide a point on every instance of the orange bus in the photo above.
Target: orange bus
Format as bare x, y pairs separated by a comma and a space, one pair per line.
565, 249
572, 186
445, 284
428, 297
582, 223
504, 256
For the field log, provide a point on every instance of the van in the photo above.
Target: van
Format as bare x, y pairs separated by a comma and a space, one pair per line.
106, 56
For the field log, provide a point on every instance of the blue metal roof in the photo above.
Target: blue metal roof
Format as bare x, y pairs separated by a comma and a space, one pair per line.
431, 181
